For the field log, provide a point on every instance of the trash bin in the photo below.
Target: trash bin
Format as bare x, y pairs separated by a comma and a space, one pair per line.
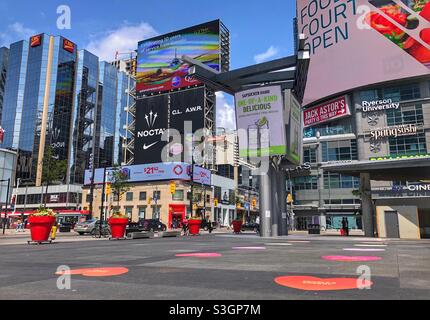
314, 229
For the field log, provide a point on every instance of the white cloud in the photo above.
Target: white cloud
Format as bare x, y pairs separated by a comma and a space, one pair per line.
15, 32
123, 39
226, 117
265, 56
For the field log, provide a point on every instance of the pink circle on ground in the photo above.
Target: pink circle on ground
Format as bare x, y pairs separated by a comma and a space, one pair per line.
351, 258
249, 248
199, 255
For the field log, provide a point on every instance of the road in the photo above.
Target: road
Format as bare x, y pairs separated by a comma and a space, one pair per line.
241, 267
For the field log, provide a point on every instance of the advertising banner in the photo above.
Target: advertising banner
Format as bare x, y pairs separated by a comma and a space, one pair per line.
334, 109
356, 43
154, 172
187, 106
294, 130
151, 123
159, 65
259, 112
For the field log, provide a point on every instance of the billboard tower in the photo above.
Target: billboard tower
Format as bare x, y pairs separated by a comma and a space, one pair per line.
167, 96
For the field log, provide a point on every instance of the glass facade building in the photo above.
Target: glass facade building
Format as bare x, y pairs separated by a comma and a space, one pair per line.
65, 99
4, 57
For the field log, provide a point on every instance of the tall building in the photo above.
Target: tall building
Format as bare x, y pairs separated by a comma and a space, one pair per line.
65, 98
4, 57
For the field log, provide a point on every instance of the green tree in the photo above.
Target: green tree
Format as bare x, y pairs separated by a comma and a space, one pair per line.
54, 170
119, 182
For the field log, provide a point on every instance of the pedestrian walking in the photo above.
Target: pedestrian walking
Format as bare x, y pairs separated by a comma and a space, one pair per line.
18, 227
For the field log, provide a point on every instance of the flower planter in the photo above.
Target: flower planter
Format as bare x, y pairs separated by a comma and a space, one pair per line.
40, 228
194, 226
237, 226
118, 227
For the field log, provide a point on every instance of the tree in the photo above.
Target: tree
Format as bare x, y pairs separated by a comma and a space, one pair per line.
54, 170
119, 182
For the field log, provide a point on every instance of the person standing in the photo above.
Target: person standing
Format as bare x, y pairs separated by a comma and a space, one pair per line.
346, 227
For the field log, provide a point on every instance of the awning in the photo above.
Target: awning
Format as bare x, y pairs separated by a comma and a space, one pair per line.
385, 170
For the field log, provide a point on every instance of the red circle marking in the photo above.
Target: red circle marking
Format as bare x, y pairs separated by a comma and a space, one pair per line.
351, 258
308, 283
96, 272
199, 255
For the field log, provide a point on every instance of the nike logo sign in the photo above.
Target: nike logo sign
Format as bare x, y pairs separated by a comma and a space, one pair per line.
145, 147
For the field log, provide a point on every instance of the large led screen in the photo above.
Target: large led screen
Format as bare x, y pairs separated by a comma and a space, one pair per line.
355, 43
159, 64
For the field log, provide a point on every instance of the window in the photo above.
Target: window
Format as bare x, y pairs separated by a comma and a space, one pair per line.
129, 196
405, 115
309, 155
305, 183
332, 129
156, 212
408, 145
142, 196
339, 150
142, 212
129, 212
400, 93
339, 181
178, 195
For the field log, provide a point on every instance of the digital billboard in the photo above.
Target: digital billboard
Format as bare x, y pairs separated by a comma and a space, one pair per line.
151, 123
159, 64
187, 106
354, 43
154, 172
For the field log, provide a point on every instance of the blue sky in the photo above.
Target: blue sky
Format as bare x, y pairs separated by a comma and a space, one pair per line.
260, 30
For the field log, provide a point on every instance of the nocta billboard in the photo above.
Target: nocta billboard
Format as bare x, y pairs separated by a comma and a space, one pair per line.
354, 43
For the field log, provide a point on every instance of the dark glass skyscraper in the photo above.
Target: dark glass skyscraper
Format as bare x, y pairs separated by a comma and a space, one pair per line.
4, 56
58, 96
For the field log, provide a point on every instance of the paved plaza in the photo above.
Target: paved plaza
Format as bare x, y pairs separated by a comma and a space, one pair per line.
224, 266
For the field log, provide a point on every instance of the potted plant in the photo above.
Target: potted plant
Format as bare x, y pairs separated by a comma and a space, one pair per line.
194, 224
237, 225
41, 224
118, 224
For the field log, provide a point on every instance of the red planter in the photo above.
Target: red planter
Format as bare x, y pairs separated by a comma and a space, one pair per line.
194, 226
237, 226
118, 227
40, 228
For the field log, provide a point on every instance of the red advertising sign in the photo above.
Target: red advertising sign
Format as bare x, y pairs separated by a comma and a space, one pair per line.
1, 135
328, 111
68, 45
36, 41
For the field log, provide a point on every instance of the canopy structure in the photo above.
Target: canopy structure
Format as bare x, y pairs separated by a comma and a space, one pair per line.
290, 73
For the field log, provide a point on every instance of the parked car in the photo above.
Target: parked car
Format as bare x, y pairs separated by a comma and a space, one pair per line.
251, 226
88, 227
205, 225
152, 225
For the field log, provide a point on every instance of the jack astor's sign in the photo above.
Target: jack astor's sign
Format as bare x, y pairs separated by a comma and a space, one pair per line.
394, 132
328, 111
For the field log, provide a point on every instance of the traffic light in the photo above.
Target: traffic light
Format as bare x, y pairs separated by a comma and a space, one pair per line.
290, 198
216, 202
108, 189
254, 202
172, 188
149, 200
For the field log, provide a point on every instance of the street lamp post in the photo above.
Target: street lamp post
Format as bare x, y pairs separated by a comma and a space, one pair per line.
103, 202
6, 204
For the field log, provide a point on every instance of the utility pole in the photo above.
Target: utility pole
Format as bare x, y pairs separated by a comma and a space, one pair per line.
103, 202
6, 204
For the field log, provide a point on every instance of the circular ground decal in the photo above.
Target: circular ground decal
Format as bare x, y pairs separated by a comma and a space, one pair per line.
199, 255
308, 283
351, 258
249, 248
96, 272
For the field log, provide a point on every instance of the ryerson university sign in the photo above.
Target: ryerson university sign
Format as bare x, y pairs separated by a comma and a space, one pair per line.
380, 105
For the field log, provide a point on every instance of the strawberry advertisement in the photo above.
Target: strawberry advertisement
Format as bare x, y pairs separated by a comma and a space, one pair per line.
355, 43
